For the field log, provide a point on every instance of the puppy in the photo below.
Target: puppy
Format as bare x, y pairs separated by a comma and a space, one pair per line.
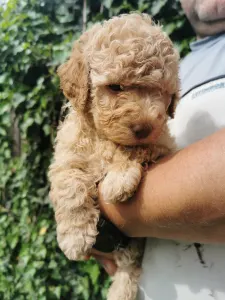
122, 84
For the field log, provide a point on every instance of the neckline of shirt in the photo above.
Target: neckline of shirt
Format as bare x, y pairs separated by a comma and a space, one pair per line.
206, 42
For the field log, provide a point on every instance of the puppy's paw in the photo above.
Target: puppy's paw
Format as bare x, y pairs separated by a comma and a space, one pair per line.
72, 246
119, 185
74, 240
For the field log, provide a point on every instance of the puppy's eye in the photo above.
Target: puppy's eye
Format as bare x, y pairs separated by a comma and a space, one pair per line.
116, 87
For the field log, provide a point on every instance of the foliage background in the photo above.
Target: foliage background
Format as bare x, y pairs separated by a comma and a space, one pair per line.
35, 37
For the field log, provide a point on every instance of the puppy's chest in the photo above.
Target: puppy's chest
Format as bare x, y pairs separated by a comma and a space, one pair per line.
106, 153
101, 157
147, 154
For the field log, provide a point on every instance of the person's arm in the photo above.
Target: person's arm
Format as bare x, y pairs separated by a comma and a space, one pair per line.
182, 196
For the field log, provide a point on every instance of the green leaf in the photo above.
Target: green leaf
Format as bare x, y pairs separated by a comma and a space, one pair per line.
94, 274
18, 99
107, 3
157, 6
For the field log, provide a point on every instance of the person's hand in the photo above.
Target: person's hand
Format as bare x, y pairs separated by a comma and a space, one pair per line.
106, 260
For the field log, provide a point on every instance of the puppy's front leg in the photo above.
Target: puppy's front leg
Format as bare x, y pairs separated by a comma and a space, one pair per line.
73, 194
75, 213
121, 181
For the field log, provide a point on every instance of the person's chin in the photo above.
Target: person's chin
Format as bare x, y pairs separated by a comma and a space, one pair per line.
210, 10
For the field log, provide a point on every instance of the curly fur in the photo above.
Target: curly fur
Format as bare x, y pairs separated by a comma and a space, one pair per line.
96, 141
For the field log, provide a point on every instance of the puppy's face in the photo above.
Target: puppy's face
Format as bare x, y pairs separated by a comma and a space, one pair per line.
134, 80
130, 114
125, 74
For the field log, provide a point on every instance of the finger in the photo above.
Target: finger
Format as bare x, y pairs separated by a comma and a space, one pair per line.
109, 265
94, 252
87, 257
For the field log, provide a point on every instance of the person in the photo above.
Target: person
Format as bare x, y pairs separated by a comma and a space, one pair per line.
180, 205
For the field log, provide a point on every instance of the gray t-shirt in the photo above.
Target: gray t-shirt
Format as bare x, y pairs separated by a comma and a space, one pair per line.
177, 270
201, 111
205, 62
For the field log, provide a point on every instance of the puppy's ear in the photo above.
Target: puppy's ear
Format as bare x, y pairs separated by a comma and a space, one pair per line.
173, 104
74, 77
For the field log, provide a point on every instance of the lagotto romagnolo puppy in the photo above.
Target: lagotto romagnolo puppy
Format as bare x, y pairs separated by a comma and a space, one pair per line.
122, 83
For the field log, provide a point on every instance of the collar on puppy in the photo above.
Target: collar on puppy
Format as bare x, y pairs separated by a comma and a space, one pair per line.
109, 237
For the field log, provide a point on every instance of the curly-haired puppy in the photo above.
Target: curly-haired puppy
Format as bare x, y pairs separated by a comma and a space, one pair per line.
122, 83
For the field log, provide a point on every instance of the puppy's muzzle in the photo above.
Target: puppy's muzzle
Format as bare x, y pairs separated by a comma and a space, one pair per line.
141, 131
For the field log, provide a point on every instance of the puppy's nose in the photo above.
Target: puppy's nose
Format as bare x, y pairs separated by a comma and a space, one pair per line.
141, 131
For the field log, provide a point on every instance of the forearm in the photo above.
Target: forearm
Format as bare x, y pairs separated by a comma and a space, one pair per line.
181, 197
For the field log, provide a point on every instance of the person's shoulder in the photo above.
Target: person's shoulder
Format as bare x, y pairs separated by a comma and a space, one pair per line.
186, 63
205, 61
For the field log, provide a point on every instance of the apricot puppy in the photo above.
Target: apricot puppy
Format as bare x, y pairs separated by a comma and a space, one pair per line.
122, 83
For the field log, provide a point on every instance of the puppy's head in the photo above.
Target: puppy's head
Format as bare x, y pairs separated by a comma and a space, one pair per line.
130, 68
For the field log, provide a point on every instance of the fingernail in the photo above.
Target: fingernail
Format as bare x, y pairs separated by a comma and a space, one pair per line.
106, 265
107, 268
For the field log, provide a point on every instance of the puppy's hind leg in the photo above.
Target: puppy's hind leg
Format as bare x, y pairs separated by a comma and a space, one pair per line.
125, 281
125, 284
